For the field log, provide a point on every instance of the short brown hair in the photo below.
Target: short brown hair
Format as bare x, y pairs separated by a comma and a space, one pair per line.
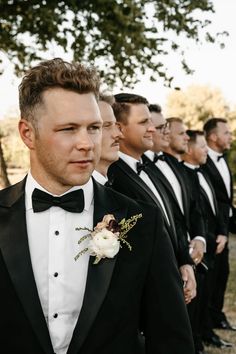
108, 98
155, 108
193, 134
171, 120
123, 103
51, 74
211, 125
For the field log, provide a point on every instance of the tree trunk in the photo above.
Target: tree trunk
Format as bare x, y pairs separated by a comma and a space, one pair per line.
4, 181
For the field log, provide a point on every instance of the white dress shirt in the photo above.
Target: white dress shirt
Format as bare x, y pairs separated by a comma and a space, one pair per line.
99, 177
221, 167
223, 170
132, 163
170, 176
53, 244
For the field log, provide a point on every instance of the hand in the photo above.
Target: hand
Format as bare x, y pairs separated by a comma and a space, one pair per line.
221, 240
198, 248
190, 286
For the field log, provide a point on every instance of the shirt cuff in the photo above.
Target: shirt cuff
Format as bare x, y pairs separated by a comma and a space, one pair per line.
200, 238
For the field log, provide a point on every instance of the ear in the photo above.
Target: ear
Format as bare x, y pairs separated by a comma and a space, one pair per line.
27, 133
213, 137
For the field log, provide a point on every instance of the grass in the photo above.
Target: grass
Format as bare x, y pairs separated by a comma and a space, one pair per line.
230, 304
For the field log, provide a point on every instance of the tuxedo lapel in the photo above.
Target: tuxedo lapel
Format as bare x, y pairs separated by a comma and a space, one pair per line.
15, 251
137, 180
212, 191
181, 182
99, 275
216, 174
162, 178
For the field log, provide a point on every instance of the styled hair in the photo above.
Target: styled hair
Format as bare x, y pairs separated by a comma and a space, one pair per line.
193, 134
104, 97
211, 125
154, 108
55, 73
123, 102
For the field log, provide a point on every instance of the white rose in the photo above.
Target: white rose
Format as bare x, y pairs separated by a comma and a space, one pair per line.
104, 244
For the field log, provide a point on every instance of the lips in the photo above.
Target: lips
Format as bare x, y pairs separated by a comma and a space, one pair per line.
82, 163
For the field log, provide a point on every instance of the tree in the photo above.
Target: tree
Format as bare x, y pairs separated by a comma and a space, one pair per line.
4, 181
119, 36
196, 104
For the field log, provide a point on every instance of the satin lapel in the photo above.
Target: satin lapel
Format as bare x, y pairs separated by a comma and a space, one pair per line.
164, 180
231, 182
137, 180
162, 192
99, 275
212, 191
182, 184
15, 251
217, 174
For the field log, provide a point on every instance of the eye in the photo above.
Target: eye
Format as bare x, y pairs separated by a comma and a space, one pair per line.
67, 129
95, 128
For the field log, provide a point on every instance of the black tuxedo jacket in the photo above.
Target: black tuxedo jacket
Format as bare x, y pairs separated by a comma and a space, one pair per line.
224, 202
190, 220
127, 182
211, 219
144, 282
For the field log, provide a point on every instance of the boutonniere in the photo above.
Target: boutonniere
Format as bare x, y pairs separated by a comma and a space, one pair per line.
107, 237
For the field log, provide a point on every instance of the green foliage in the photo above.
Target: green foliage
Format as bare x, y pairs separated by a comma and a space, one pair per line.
119, 36
196, 104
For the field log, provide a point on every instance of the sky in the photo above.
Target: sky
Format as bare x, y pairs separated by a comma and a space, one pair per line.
212, 65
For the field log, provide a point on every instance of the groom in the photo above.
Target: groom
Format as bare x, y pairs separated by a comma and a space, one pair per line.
50, 302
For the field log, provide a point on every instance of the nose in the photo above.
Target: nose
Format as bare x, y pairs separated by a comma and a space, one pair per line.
117, 133
186, 137
151, 128
84, 141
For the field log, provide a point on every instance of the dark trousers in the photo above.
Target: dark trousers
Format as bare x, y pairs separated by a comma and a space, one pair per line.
195, 310
219, 284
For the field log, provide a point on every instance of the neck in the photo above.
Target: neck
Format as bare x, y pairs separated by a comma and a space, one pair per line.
214, 147
190, 161
173, 153
102, 168
135, 154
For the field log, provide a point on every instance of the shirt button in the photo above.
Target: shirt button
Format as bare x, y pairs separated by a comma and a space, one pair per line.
56, 232
55, 315
55, 274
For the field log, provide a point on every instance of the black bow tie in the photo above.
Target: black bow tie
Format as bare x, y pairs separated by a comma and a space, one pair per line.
72, 202
220, 157
198, 169
158, 157
141, 166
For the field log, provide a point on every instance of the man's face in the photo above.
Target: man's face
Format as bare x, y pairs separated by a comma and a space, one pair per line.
161, 133
178, 138
198, 150
137, 132
68, 143
110, 134
223, 137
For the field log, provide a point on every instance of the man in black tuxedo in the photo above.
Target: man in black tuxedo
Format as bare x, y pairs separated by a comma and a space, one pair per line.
167, 170
51, 303
134, 179
203, 190
111, 135
219, 138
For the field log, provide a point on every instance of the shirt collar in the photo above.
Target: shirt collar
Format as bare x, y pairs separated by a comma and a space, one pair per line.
99, 177
131, 161
189, 165
31, 184
150, 154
